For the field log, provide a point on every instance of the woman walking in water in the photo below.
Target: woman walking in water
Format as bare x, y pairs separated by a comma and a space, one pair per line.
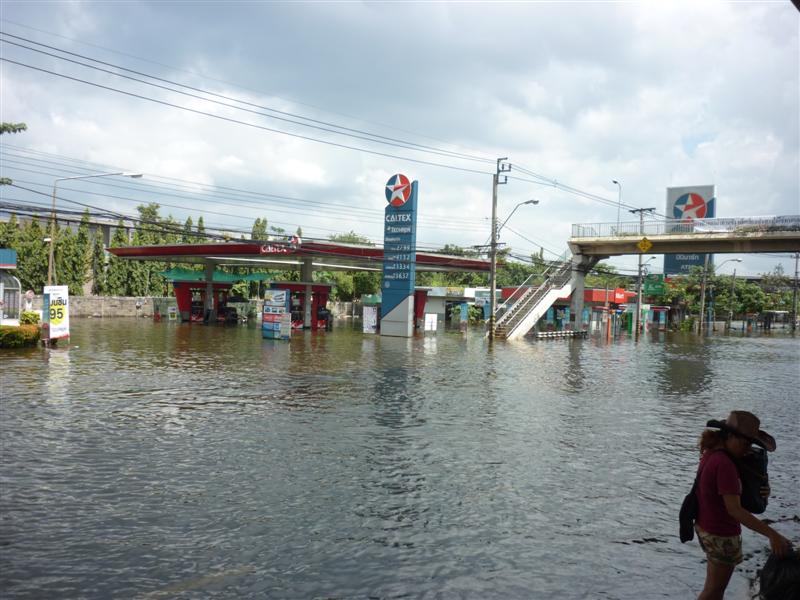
719, 490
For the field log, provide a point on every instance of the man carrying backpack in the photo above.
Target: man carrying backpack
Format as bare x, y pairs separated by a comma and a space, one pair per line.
719, 499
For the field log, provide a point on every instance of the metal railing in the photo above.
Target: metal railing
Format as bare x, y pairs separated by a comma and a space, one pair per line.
522, 307
678, 226
556, 264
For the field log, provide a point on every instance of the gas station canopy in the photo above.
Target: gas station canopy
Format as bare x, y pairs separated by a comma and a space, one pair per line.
330, 256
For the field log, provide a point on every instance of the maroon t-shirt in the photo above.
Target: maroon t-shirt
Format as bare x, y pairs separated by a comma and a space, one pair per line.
718, 477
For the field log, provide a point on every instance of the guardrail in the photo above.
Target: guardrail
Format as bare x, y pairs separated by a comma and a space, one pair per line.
678, 226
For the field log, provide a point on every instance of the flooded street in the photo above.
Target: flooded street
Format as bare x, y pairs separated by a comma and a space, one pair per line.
156, 460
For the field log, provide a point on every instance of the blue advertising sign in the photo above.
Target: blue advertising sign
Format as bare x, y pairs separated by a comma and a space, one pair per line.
688, 204
276, 323
399, 242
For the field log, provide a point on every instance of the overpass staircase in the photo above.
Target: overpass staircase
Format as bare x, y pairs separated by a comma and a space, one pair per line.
522, 315
561, 279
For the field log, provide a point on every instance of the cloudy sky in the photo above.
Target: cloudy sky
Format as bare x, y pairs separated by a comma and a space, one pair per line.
299, 112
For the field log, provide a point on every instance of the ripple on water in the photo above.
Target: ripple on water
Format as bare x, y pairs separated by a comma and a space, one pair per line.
159, 461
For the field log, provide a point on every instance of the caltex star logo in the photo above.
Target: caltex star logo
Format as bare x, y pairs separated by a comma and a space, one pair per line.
398, 190
690, 206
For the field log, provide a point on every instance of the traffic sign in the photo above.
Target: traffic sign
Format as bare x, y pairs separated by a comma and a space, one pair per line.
644, 245
654, 285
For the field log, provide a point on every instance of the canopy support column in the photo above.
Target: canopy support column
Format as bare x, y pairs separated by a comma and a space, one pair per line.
307, 275
210, 311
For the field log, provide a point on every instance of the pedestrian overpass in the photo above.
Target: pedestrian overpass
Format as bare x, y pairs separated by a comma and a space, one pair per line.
590, 243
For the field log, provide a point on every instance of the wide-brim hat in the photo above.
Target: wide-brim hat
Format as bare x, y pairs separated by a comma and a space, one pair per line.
748, 426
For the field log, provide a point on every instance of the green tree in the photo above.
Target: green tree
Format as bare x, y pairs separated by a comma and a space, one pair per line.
143, 277
259, 230
9, 233
10, 128
118, 269
344, 283
299, 232
366, 282
604, 275
351, 238
201, 229
188, 233
98, 266
32, 252
73, 256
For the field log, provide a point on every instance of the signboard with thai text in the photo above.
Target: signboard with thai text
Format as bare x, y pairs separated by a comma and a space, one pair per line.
56, 311
399, 243
654, 285
276, 323
689, 204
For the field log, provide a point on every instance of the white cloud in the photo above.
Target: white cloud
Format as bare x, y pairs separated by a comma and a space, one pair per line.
650, 94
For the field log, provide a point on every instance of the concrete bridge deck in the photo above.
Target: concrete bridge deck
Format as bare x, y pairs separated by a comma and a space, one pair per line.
668, 236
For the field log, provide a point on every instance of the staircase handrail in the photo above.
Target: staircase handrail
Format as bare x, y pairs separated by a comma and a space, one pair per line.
560, 262
531, 297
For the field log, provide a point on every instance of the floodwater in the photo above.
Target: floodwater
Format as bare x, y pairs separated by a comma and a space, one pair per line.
157, 460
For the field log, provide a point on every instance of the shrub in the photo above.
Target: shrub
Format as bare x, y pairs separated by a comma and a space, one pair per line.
17, 337
29, 317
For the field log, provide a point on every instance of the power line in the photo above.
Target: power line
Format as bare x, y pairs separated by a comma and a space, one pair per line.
421, 245
246, 124
243, 196
228, 83
364, 135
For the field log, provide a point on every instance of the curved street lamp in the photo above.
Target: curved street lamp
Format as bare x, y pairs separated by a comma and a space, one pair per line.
51, 262
493, 266
534, 202
619, 200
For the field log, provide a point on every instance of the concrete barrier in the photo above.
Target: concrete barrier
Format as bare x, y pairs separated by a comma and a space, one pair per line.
129, 306
110, 306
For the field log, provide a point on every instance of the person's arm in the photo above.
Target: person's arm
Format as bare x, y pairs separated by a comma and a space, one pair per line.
779, 544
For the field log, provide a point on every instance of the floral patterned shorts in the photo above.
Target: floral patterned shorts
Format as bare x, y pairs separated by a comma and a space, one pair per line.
723, 549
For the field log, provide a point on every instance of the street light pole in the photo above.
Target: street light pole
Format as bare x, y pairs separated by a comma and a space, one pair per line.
794, 291
730, 303
534, 202
619, 201
51, 267
703, 287
637, 316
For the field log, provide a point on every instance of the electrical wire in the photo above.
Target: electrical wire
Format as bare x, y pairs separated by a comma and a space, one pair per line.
245, 123
192, 73
374, 138
244, 199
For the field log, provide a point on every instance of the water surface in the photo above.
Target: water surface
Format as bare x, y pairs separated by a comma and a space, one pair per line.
156, 460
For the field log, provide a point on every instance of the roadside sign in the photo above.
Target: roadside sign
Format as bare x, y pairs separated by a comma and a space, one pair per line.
654, 285
644, 244
56, 311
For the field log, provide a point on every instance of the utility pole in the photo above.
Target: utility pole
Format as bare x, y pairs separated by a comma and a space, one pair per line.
794, 291
731, 301
501, 168
703, 296
637, 316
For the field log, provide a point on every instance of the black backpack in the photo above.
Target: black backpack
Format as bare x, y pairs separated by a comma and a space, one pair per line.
753, 473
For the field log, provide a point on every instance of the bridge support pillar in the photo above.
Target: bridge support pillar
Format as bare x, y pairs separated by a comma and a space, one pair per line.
580, 266
307, 275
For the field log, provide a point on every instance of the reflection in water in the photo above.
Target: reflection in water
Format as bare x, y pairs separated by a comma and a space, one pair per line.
183, 459
685, 368
574, 375
58, 374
